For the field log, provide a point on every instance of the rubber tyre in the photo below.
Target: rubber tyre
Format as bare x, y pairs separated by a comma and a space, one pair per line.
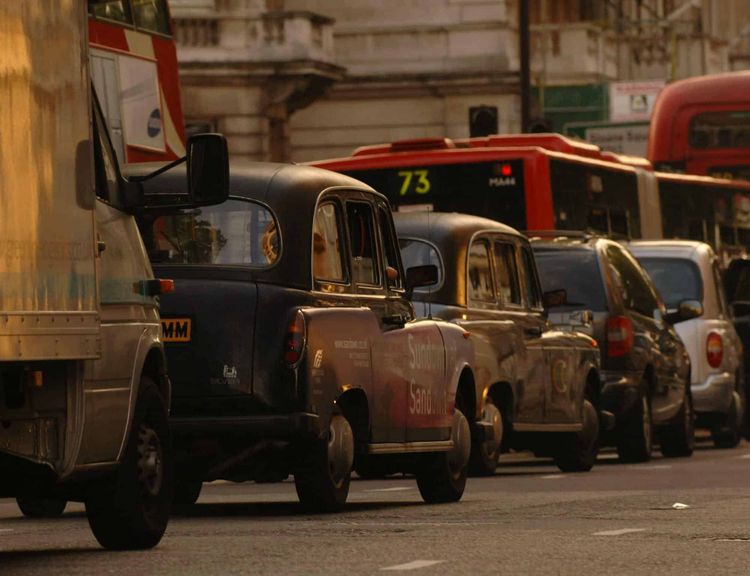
635, 440
41, 506
483, 462
186, 494
130, 510
323, 477
441, 476
581, 449
730, 434
678, 441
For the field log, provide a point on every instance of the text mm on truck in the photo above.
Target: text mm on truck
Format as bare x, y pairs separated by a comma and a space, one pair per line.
83, 387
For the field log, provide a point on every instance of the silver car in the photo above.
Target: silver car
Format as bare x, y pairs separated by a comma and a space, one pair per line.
689, 270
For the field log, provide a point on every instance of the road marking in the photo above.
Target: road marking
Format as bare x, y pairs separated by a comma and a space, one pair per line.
552, 476
415, 565
396, 489
5, 530
744, 457
654, 467
619, 532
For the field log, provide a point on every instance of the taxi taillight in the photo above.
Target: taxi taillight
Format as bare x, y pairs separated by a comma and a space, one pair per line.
619, 336
714, 349
294, 342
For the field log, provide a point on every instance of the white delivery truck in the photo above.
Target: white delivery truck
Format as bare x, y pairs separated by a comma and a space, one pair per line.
84, 392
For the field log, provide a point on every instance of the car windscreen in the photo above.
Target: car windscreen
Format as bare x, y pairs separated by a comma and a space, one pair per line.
420, 253
236, 232
577, 271
676, 279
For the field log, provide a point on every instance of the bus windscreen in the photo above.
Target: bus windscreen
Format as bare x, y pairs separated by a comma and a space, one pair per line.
491, 189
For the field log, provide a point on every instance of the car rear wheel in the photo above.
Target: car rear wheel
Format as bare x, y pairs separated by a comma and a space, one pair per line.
728, 434
634, 443
578, 452
679, 439
130, 510
485, 454
41, 506
441, 477
323, 477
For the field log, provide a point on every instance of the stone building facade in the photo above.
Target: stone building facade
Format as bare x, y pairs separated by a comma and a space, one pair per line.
306, 79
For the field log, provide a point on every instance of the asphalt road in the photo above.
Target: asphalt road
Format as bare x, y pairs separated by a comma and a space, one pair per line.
528, 519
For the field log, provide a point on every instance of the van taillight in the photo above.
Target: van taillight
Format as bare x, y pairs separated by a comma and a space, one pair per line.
294, 342
714, 349
619, 336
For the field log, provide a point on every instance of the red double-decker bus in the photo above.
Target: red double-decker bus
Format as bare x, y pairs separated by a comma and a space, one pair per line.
134, 69
702, 126
530, 182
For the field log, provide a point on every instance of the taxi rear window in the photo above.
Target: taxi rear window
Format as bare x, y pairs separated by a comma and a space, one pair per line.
236, 232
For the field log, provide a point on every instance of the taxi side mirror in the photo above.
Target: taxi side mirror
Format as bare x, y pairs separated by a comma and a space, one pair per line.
418, 276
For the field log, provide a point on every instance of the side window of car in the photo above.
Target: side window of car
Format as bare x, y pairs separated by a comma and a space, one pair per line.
637, 291
365, 265
506, 274
327, 265
479, 282
530, 280
390, 248
719, 287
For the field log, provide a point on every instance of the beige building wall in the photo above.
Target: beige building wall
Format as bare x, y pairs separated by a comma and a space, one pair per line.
309, 79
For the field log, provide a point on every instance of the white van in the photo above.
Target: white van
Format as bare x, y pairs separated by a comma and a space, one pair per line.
689, 270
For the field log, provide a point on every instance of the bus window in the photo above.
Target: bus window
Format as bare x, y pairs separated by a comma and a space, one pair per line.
491, 189
584, 197
115, 10
152, 15
726, 129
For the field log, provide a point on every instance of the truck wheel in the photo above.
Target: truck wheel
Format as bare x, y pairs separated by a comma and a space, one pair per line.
634, 443
322, 480
130, 510
186, 493
441, 477
579, 452
41, 506
484, 455
679, 439
728, 435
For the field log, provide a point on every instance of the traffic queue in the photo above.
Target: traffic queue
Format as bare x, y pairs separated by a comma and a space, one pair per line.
310, 336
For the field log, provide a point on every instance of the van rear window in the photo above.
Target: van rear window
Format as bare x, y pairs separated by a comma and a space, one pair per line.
577, 271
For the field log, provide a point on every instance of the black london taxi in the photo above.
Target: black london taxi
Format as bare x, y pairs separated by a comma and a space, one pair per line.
293, 348
535, 387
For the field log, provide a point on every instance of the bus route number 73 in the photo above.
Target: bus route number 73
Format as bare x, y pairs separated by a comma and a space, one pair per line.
419, 179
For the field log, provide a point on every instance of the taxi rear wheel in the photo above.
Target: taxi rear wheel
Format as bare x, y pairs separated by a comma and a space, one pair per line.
579, 452
485, 455
441, 477
323, 477
41, 506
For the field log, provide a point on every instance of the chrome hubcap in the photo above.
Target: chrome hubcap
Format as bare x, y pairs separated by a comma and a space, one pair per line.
458, 457
150, 468
340, 450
